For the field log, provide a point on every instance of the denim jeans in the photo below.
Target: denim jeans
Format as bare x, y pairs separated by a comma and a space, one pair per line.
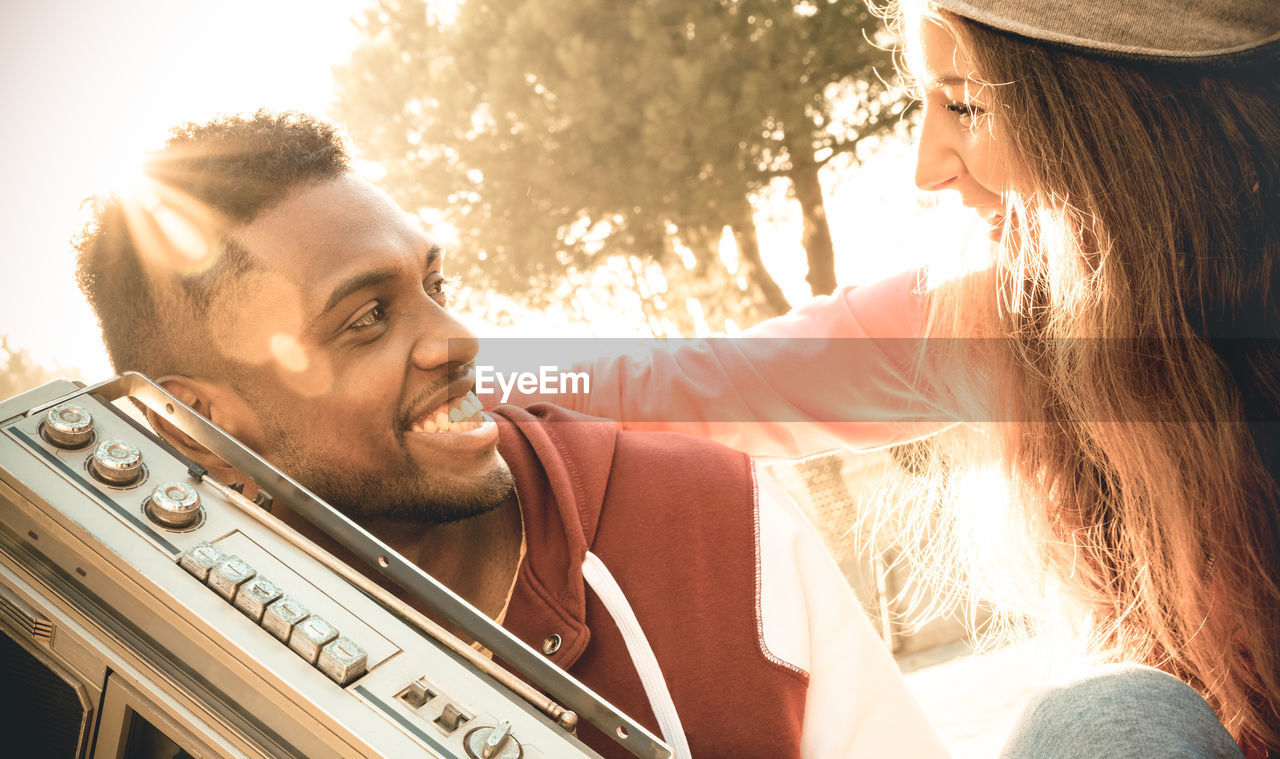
1121, 711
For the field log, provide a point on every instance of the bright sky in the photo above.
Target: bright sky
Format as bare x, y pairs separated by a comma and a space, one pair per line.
88, 85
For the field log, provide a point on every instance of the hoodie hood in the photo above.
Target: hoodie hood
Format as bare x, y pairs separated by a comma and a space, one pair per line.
564, 489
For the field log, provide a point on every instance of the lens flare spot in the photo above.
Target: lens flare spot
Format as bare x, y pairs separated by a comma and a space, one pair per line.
288, 352
184, 236
172, 231
317, 380
247, 321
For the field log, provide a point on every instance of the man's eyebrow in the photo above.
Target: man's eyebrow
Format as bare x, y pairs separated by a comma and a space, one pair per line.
355, 284
369, 279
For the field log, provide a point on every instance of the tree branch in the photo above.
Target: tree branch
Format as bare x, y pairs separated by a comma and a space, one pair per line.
841, 148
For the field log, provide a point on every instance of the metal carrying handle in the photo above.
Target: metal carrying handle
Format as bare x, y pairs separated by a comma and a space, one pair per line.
562, 686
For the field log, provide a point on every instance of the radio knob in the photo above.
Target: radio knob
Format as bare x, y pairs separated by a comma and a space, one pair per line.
493, 743
68, 426
117, 462
175, 505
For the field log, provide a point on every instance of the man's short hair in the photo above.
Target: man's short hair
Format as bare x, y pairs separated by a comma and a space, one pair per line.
152, 261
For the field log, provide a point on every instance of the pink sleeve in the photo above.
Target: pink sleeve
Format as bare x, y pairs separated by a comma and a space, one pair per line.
833, 373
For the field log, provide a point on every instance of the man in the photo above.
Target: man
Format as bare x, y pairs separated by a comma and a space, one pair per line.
295, 305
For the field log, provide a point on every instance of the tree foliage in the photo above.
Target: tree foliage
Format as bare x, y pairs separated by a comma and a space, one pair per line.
553, 133
19, 372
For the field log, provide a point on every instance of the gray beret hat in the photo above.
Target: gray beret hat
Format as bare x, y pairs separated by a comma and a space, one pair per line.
1170, 30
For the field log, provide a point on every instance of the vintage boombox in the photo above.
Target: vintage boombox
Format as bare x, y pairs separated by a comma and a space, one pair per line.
148, 610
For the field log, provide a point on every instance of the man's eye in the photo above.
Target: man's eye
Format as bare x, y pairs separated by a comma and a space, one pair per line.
371, 318
440, 287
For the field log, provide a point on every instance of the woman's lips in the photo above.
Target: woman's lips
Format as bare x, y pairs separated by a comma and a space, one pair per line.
996, 224
993, 215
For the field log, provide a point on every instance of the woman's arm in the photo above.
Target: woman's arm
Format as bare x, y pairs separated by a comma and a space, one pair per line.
837, 372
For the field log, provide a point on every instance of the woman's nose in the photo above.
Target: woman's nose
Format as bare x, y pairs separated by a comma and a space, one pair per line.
937, 162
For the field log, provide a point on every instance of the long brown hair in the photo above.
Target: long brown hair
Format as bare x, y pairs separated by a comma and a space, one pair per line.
1136, 369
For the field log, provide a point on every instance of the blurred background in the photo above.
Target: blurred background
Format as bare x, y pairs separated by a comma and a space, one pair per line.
596, 168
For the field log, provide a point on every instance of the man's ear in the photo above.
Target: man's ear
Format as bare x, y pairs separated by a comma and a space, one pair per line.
215, 401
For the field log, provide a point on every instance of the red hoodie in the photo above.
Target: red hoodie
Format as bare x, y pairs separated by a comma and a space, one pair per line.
760, 642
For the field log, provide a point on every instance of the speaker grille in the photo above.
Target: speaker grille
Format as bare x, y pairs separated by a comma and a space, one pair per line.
40, 714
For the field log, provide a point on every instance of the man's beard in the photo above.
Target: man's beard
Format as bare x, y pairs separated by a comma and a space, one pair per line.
403, 492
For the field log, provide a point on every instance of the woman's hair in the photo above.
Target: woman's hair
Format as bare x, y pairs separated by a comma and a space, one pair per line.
1135, 312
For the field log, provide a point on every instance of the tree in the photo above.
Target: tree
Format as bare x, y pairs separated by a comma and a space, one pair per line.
19, 372
552, 133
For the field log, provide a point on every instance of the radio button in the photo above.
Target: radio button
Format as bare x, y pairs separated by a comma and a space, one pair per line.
343, 660
255, 595
228, 575
175, 505
68, 426
200, 559
117, 462
280, 617
418, 693
310, 635
451, 718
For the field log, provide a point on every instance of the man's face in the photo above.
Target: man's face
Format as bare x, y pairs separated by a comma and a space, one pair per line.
352, 356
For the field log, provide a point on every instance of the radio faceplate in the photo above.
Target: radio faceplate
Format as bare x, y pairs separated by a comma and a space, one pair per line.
123, 572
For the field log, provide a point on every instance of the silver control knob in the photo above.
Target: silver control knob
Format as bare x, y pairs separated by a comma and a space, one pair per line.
493, 743
175, 505
68, 426
117, 462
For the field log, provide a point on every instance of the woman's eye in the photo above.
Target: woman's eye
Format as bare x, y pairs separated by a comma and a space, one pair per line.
371, 318
965, 111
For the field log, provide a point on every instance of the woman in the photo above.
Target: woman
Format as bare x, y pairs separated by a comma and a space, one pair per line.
1128, 163
1135, 194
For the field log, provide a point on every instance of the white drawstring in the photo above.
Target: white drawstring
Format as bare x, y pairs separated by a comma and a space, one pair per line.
655, 685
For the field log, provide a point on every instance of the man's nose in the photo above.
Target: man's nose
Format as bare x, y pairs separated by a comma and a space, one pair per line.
443, 339
938, 164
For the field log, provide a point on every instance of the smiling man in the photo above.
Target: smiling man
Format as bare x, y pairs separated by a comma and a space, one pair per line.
297, 307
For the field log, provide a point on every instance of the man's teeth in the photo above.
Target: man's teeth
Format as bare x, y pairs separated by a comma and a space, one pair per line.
457, 415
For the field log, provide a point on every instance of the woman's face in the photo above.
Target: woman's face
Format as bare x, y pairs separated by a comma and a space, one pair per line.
961, 147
